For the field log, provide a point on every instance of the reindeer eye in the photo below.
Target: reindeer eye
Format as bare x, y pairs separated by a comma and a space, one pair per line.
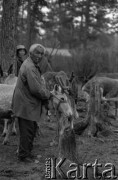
62, 99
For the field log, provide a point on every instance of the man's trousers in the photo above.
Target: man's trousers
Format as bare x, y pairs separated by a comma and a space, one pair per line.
27, 130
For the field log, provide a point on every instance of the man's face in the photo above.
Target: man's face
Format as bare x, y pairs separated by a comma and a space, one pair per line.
37, 55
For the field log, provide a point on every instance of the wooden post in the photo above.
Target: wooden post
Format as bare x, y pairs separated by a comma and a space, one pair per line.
97, 101
91, 110
116, 106
95, 107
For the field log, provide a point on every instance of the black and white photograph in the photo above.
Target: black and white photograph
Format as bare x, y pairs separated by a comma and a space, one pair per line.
58, 89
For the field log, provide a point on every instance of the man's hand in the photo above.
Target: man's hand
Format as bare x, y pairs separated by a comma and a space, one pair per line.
43, 80
51, 93
103, 99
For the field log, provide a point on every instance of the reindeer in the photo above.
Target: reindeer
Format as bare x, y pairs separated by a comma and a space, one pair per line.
11, 82
109, 75
64, 116
108, 88
62, 102
61, 79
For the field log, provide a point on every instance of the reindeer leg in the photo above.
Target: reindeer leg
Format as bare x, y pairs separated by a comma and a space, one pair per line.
10, 126
43, 115
38, 130
56, 138
71, 123
88, 110
57, 133
14, 132
5, 128
60, 136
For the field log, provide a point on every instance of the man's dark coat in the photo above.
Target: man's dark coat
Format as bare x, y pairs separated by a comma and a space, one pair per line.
29, 92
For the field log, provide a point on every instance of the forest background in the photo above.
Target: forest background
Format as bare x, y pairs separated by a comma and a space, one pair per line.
80, 35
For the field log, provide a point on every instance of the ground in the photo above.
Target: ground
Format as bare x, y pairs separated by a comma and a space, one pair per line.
89, 149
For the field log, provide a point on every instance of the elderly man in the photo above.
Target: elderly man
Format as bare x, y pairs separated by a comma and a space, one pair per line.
28, 96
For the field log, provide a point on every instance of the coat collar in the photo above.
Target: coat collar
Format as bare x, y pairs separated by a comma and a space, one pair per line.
29, 59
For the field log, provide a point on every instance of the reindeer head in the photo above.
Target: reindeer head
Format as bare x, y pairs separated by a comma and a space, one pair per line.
61, 104
63, 81
61, 101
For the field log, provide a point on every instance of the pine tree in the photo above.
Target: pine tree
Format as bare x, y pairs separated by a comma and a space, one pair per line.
8, 32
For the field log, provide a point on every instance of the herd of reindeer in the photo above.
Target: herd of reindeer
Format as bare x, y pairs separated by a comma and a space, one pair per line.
101, 88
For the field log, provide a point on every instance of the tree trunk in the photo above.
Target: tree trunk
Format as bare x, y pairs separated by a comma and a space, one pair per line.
20, 2
8, 33
29, 24
87, 19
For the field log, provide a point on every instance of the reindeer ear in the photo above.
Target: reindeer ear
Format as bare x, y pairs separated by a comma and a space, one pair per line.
59, 89
54, 90
56, 87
